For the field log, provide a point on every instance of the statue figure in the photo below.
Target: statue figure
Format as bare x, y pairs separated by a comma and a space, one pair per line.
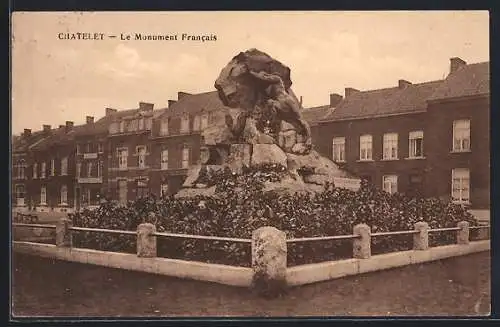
255, 82
283, 105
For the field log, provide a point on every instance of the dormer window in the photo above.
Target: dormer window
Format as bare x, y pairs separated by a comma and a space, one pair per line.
164, 127
185, 124
204, 121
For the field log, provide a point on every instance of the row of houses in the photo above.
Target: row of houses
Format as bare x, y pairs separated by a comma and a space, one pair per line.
429, 139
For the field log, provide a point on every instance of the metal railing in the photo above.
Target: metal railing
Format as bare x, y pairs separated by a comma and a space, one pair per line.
203, 237
103, 230
322, 238
34, 225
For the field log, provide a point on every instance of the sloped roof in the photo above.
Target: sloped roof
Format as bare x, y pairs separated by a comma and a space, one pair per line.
195, 103
314, 114
21, 143
58, 136
383, 102
468, 80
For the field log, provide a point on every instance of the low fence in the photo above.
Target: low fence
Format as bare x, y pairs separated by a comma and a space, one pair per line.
269, 272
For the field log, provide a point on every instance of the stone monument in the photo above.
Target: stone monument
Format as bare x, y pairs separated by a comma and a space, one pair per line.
263, 126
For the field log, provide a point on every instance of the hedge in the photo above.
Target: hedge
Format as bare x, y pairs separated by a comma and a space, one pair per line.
241, 206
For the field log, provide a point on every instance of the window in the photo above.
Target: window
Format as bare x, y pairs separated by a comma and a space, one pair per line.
164, 127
35, 170
185, 124
43, 170
141, 156
90, 165
142, 189
461, 135
122, 191
196, 123
122, 126
460, 185
43, 195
64, 194
122, 158
52, 167
20, 195
19, 169
185, 157
132, 125
114, 128
390, 183
365, 147
164, 189
64, 166
78, 148
89, 148
99, 147
338, 149
141, 124
390, 146
416, 145
78, 169
149, 121
164, 159
99, 169
204, 121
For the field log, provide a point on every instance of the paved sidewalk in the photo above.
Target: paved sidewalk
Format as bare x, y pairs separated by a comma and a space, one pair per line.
457, 286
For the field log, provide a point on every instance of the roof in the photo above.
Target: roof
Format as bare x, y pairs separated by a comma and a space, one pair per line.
314, 114
196, 103
101, 126
21, 143
56, 136
384, 102
468, 80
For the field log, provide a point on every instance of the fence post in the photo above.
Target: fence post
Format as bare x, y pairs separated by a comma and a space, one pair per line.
463, 233
146, 241
421, 239
362, 245
269, 261
483, 233
63, 233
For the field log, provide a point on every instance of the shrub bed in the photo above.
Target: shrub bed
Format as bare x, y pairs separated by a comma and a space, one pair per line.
241, 206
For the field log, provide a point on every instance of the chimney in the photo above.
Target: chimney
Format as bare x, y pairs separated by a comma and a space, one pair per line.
180, 95
110, 111
69, 125
27, 132
402, 84
46, 128
301, 100
456, 63
171, 102
335, 99
145, 106
349, 91
89, 119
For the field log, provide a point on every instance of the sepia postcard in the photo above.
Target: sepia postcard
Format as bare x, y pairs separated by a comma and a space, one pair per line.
250, 164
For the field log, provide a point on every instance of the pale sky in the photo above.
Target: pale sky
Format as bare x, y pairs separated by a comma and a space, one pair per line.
57, 80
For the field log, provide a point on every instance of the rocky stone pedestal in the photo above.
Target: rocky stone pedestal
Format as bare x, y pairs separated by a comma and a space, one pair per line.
304, 173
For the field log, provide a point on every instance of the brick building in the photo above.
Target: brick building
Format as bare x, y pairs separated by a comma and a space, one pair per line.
379, 135
129, 157
458, 117
52, 183
21, 172
90, 141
